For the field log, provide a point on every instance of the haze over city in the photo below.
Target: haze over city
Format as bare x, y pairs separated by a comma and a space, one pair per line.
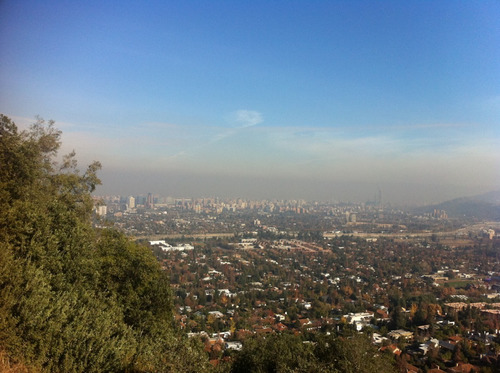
323, 100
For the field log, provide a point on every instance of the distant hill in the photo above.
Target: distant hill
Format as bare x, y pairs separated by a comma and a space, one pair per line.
484, 206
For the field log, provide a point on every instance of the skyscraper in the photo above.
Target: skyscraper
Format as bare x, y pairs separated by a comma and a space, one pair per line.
150, 201
130, 202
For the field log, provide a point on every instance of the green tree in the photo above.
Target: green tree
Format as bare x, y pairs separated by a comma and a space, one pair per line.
353, 354
288, 353
75, 299
277, 353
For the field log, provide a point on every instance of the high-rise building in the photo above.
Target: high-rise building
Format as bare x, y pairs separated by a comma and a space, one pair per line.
130, 202
101, 210
150, 203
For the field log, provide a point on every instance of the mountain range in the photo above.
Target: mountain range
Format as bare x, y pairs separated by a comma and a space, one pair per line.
484, 206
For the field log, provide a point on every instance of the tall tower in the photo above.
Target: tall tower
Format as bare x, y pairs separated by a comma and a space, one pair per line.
150, 201
130, 202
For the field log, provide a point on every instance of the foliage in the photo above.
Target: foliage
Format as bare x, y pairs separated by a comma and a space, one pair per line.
353, 354
288, 353
276, 353
75, 299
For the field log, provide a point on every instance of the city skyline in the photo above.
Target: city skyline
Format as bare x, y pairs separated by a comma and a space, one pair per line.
328, 101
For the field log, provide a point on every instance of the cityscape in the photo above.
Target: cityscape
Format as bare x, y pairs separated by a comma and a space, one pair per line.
424, 286
250, 186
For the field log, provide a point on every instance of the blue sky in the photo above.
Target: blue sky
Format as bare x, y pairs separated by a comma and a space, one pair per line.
264, 99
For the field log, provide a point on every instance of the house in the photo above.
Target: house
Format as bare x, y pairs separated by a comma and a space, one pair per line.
391, 348
381, 314
243, 333
167, 247
237, 346
359, 320
447, 345
463, 368
378, 339
400, 333
216, 314
304, 322
262, 331
225, 292
223, 335
279, 327
455, 339
280, 317
425, 347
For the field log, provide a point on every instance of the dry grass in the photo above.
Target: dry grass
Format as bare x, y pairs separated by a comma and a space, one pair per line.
8, 365
456, 242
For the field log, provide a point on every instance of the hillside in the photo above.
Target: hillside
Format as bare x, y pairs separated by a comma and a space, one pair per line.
483, 207
73, 298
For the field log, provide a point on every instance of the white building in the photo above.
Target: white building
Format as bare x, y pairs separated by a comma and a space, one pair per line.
359, 319
131, 202
233, 346
167, 247
101, 210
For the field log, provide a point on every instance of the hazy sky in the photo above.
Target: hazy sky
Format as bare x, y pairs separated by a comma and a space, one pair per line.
277, 99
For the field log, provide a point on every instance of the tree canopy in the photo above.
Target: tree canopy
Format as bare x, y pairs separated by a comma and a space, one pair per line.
289, 353
74, 298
